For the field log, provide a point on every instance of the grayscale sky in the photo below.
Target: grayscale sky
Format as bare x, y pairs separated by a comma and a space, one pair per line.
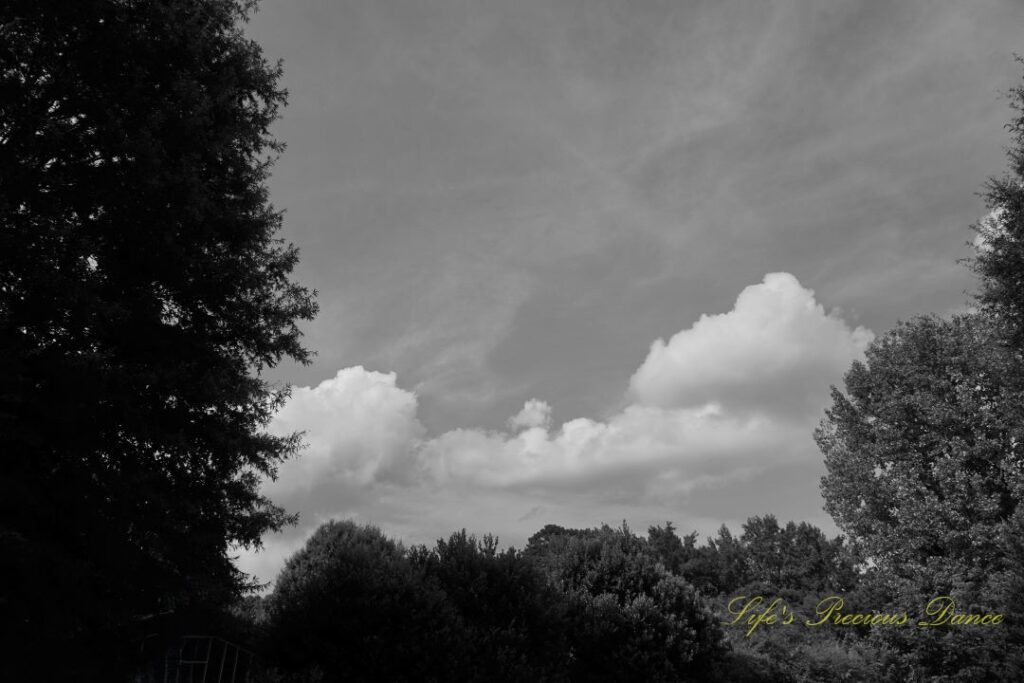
582, 261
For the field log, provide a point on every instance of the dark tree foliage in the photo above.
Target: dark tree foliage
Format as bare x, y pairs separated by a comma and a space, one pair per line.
795, 558
355, 606
999, 260
794, 562
591, 605
721, 566
596, 604
142, 290
633, 619
673, 551
352, 605
515, 625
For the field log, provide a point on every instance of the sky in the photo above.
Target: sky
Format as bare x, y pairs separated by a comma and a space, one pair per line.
584, 261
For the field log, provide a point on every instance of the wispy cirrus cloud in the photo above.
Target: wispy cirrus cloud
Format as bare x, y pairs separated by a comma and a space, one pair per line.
478, 188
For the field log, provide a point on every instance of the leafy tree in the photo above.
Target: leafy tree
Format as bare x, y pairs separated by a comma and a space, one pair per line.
352, 605
797, 557
516, 625
767, 557
921, 450
142, 291
719, 566
674, 552
632, 618
923, 457
999, 260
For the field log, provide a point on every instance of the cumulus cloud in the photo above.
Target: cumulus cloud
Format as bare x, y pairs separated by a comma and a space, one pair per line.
629, 450
732, 395
359, 427
535, 413
775, 350
360, 431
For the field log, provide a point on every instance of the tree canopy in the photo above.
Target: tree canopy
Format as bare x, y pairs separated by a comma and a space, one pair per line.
143, 288
922, 448
591, 605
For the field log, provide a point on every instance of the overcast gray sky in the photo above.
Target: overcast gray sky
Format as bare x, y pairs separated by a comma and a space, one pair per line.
582, 261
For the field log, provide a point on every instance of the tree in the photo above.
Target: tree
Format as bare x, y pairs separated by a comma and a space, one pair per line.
923, 454
351, 604
999, 259
632, 618
143, 289
673, 551
922, 449
721, 566
515, 623
795, 557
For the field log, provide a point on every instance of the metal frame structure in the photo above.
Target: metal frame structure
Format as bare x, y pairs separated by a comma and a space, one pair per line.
202, 659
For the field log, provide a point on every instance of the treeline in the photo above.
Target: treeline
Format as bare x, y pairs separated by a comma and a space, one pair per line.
602, 604
572, 605
607, 604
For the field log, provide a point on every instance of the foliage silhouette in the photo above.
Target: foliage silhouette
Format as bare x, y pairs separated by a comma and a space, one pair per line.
142, 291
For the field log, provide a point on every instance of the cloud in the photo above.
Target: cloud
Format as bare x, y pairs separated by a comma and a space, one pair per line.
534, 414
734, 395
773, 351
735, 391
359, 427
629, 450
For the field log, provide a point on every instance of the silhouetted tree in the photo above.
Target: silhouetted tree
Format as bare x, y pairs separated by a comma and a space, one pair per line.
515, 624
352, 605
142, 291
